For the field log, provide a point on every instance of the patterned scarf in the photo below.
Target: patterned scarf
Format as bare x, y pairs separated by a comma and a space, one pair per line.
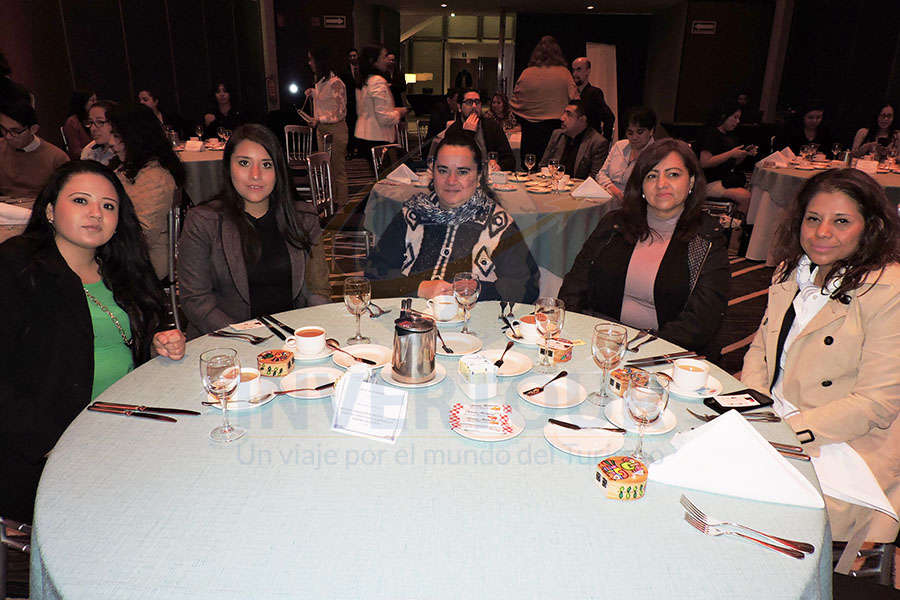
426, 207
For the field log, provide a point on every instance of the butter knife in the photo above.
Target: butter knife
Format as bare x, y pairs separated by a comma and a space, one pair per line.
154, 409
660, 359
577, 427
287, 329
131, 413
272, 328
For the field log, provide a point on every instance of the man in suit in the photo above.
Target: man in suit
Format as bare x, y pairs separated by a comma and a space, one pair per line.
599, 115
350, 76
443, 113
489, 134
578, 146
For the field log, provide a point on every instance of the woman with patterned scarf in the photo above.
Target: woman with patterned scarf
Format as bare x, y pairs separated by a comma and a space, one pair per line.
458, 226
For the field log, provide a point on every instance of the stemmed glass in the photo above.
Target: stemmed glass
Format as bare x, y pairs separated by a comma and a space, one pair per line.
220, 133
530, 161
199, 131
466, 289
491, 156
549, 316
357, 293
220, 372
557, 177
645, 403
608, 347
227, 135
553, 167
836, 150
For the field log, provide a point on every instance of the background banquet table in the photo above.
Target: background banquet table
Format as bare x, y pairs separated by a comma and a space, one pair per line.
771, 193
204, 175
555, 226
131, 508
14, 215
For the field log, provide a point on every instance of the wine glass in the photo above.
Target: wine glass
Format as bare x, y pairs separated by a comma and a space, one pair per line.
220, 372
492, 156
466, 289
530, 161
199, 131
357, 293
645, 400
220, 133
836, 150
226, 135
608, 347
560, 171
549, 316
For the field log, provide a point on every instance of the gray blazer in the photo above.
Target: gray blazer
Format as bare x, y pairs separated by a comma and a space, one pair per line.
591, 153
212, 276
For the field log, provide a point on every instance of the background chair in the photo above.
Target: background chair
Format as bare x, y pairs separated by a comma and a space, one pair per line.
173, 229
20, 542
380, 153
402, 135
298, 142
319, 165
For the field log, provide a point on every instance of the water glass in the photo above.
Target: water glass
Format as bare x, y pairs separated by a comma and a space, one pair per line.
530, 161
549, 317
220, 371
607, 347
357, 294
645, 402
466, 288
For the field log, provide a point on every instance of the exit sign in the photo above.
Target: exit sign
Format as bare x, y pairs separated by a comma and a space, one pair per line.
704, 27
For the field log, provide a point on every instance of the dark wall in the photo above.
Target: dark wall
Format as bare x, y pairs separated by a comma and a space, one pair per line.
846, 54
629, 33
118, 47
715, 67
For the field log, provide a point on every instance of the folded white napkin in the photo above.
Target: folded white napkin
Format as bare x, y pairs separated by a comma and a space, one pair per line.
10, 214
193, 146
590, 189
728, 456
403, 174
788, 153
777, 159
867, 166
843, 474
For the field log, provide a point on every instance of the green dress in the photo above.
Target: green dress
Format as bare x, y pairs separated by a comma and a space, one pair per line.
112, 358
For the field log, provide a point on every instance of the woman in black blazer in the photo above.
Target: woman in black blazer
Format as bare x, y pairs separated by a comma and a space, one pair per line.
80, 308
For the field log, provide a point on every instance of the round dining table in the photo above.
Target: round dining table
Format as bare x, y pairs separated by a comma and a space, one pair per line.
772, 190
204, 176
554, 225
136, 508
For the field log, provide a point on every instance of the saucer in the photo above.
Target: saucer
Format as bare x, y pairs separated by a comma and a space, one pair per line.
504, 187
312, 377
615, 412
514, 363
537, 190
562, 393
713, 387
460, 343
311, 357
524, 341
380, 354
585, 442
439, 374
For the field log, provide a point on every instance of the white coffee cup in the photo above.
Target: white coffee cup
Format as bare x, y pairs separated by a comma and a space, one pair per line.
498, 177
249, 386
444, 308
528, 328
690, 374
307, 340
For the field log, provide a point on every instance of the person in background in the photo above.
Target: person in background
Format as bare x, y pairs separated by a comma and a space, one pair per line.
222, 113
252, 250
541, 94
829, 343
350, 76
76, 134
600, 115
500, 112
10, 91
809, 129
377, 115
881, 132
578, 146
488, 134
749, 114
79, 294
457, 226
150, 172
444, 113
100, 149
330, 109
26, 161
720, 154
659, 262
614, 174
168, 120
396, 78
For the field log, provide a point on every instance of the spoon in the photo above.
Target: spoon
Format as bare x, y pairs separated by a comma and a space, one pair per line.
336, 345
267, 395
537, 390
513, 332
499, 362
446, 348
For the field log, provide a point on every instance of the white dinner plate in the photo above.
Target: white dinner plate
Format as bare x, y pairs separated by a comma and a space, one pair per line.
504, 187
537, 190
513, 177
516, 425
562, 393
514, 363
460, 343
439, 374
311, 357
524, 341
310, 378
380, 354
713, 387
615, 412
584, 442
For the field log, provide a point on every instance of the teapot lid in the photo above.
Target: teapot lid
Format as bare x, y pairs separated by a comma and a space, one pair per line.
413, 323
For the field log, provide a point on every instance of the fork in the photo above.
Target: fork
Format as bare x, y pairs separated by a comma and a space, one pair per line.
380, 310
247, 337
763, 417
715, 531
709, 521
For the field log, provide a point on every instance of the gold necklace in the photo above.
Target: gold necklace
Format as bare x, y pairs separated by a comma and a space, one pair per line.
125, 340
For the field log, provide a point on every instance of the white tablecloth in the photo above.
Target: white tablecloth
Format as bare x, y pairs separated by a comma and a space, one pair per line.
205, 176
131, 508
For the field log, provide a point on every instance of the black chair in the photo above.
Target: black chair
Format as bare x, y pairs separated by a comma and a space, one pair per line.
21, 541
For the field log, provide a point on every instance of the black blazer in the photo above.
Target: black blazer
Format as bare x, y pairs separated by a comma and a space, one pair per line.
495, 140
600, 116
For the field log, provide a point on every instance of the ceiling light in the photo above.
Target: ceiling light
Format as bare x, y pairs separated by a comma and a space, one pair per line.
590, 7
293, 88
453, 14
444, 5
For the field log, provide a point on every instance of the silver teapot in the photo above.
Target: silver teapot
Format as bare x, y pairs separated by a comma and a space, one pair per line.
412, 360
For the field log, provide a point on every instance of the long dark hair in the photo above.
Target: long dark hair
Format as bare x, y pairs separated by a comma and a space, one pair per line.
634, 207
504, 100
368, 56
281, 200
76, 104
124, 261
215, 103
457, 138
720, 113
879, 244
873, 127
547, 53
322, 61
144, 141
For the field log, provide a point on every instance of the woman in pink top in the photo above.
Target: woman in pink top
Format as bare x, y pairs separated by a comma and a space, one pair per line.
541, 95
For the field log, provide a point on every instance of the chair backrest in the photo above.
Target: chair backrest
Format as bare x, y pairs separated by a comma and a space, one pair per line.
297, 144
320, 183
327, 143
173, 228
402, 135
62, 132
378, 154
422, 129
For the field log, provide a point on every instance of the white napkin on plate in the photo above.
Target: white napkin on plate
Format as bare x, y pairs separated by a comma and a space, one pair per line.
777, 159
590, 189
193, 146
10, 214
728, 456
403, 174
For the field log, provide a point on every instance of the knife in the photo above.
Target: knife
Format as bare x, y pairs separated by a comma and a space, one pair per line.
578, 427
131, 413
280, 324
662, 357
277, 333
155, 409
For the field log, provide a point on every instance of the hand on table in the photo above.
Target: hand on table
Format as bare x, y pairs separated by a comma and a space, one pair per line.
738, 153
169, 344
434, 287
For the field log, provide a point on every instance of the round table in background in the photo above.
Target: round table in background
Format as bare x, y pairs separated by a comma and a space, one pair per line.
204, 174
134, 508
